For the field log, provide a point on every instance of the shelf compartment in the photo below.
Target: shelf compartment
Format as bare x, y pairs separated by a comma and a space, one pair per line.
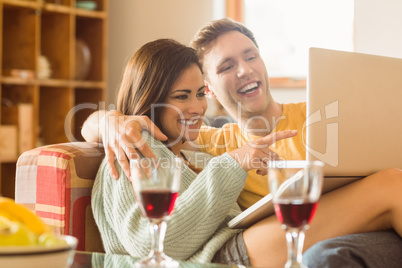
19, 38
87, 30
55, 103
7, 183
17, 110
87, 101
15, 94
56, 35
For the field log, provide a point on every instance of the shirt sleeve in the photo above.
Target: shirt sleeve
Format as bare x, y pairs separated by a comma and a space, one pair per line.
217, 141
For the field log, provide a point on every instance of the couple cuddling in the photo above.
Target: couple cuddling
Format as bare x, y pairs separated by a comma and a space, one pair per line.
224, 62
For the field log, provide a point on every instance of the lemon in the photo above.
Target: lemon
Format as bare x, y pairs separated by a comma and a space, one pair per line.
15, 234
19, 213
49, 239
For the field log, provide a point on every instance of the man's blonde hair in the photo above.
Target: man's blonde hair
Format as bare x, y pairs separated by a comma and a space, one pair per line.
205, 38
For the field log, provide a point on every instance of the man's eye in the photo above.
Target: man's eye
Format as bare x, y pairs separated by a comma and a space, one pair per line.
226, 68
251, 58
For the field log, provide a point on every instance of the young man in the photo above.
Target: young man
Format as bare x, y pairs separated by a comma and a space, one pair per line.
236, 75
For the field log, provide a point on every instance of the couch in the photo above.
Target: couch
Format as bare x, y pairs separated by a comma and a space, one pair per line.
56, 181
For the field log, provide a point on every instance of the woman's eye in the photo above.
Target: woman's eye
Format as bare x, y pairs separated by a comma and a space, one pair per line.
201, 95
181, 97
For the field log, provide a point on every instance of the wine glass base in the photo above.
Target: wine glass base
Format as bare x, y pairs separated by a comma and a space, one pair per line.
160, 260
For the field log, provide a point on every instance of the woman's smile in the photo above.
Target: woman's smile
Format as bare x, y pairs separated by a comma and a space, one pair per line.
185, 104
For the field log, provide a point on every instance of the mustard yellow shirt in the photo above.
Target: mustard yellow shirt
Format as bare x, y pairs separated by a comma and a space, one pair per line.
217, 141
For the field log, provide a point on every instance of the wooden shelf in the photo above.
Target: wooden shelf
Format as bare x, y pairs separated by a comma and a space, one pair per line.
8, 159
57, 8
36, 33
17, 81
89, 84
7, 80
90, 13
23, 3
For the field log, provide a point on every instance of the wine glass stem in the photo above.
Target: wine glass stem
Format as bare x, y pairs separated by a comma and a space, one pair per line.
295, 242
158, 231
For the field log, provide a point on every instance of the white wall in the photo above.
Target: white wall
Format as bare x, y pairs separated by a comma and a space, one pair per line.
135, 22
378, 27
132, 23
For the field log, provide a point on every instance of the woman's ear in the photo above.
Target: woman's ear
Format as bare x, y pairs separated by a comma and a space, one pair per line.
208, 91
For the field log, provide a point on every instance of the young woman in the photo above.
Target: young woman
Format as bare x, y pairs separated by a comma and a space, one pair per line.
164, 81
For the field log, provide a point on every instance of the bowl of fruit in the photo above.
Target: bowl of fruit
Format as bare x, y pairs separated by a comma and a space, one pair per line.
26, 241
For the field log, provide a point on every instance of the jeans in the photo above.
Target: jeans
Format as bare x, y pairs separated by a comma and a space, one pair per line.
369, 250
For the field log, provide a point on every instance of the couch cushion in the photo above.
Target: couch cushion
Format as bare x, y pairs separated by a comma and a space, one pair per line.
56, 182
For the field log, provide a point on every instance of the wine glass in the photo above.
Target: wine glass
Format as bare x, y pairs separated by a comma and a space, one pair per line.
296, 187
156, 185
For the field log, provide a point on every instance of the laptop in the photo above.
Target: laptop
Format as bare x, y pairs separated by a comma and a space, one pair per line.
354, 110
354, 120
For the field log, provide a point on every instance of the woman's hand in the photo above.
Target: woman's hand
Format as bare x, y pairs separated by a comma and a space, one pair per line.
256, 154
121, 136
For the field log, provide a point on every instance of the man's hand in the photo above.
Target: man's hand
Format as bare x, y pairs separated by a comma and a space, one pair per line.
121, 136
256, 154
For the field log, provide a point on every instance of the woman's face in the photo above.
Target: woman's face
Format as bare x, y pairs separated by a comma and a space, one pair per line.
184, 107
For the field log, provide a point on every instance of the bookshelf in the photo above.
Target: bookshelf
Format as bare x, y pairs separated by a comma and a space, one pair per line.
52, 74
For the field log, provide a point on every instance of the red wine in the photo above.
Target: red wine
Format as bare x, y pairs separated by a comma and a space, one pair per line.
295, 214
158, 203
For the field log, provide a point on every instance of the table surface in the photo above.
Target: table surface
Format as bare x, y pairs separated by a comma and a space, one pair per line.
83, 259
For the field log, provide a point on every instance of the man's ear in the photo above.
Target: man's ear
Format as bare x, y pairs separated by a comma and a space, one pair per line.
208, 91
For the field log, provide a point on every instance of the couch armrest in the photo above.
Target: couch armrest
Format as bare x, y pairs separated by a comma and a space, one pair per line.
56, 182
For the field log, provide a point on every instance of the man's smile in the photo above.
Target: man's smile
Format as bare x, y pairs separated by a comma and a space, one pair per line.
249, 89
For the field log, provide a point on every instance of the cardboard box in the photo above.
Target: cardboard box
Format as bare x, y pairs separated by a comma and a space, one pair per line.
8, 141
25, 128
21, 116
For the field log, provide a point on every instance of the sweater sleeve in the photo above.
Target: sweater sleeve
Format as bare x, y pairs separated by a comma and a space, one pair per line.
204, 203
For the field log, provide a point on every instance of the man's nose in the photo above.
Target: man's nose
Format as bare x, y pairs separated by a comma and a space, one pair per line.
244, 69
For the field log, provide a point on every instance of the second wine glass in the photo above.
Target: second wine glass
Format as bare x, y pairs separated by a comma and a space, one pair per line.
156, 185
296, 187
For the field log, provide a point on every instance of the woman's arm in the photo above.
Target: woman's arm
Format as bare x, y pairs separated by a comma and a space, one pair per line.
121, 136
204, 206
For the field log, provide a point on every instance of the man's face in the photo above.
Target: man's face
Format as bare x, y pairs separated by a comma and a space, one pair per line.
236, 74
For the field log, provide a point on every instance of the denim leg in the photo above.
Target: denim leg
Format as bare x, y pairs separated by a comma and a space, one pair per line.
369, 250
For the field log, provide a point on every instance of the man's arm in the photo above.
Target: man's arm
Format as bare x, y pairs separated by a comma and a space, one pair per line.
121, 136
90, 129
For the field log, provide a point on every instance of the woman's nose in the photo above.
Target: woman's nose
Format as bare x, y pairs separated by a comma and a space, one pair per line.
197, 106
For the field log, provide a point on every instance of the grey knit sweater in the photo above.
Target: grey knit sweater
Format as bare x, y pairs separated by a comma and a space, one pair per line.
197, 228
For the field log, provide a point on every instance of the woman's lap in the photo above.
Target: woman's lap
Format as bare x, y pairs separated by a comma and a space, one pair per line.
233, 252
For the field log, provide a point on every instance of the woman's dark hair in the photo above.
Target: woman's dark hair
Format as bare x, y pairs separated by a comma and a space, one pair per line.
149, 75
